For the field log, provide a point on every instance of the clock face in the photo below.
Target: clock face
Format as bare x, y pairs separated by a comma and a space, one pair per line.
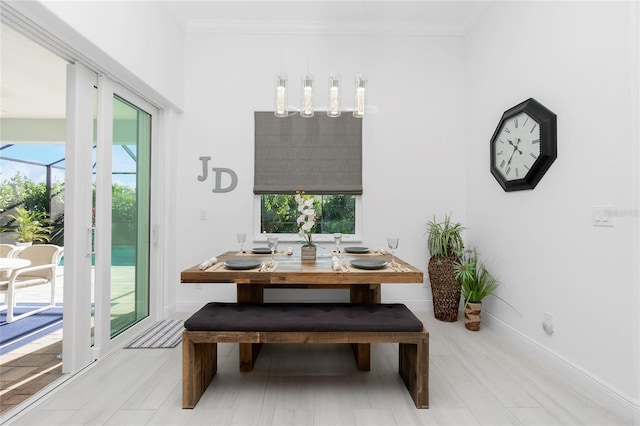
523, 146
517, 146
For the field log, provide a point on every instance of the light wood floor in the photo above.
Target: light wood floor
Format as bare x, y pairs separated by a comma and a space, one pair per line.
475, 378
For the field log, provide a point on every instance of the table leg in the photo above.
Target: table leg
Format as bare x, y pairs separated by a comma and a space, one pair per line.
249, 293
248, 352
364, 293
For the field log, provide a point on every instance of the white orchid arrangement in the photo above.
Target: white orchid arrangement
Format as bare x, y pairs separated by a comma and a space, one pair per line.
307, 218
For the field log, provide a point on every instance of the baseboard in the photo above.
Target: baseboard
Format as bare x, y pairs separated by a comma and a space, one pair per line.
619, 403
169, 311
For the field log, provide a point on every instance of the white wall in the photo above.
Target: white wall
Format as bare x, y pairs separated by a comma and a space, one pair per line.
413, 146
438, 100
580, 60
141, 39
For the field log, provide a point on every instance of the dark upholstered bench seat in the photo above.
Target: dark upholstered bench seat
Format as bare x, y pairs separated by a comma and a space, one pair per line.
303, 317
254, 324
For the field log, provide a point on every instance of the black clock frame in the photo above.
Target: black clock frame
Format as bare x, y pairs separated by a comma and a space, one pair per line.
548, 145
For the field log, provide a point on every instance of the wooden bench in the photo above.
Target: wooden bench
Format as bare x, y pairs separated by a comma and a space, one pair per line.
303, 323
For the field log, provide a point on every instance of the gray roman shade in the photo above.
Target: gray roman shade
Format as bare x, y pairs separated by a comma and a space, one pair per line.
321, 155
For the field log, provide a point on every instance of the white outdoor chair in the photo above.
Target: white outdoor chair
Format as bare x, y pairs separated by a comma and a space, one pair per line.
44, 261
6, 250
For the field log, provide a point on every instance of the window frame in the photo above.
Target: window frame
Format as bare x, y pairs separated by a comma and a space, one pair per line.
295, 238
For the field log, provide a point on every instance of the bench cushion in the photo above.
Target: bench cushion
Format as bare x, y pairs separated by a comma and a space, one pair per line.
217, 316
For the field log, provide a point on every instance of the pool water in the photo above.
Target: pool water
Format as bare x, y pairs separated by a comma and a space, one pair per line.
120, 256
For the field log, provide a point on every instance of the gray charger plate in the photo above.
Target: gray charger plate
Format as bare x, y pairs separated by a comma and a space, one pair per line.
356, 249
240, 264
261, 250
368, 263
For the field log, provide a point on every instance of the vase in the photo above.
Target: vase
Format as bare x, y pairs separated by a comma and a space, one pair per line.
308, 252
23, 243
472, 313
445, 288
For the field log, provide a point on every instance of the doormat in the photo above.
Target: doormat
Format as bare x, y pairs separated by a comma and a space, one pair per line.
163, 334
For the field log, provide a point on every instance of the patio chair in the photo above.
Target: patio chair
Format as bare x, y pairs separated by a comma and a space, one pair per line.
44, 261
6, 250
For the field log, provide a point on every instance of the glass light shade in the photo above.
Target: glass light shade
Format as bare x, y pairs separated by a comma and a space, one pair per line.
282, 105
333, 110
360, 104
306, 109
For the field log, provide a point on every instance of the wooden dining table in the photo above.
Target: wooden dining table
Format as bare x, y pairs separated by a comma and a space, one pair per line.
290, 271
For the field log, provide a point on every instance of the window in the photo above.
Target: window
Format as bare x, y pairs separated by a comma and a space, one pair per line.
320, 155
277, 214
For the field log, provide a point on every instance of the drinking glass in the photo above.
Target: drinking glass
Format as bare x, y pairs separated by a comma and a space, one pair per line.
393, 245
272, 242
337, 237
241, 239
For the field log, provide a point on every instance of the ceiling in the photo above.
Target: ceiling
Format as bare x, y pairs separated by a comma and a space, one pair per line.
33, 79
422, 17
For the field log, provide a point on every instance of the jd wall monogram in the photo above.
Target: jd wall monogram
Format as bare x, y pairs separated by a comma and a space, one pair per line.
218, 171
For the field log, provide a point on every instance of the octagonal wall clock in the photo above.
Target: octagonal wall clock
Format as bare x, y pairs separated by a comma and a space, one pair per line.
523, 146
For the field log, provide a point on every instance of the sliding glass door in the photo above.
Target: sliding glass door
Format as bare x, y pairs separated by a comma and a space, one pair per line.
122, 206
131, 154
110, 248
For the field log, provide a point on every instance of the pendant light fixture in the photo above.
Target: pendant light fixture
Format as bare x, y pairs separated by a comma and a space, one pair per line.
360, 105
282, 105
306, 109
333, 110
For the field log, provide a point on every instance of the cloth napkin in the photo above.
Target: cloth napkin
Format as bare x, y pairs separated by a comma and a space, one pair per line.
335, 263
208, 262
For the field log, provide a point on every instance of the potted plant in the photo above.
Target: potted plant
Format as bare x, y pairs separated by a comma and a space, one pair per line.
28, 226
445, 245
306, 221
477, 283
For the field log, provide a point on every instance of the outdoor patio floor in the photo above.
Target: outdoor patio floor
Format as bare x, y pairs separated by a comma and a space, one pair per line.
30, 368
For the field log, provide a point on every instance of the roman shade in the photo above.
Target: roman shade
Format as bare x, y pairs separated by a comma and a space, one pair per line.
321, 155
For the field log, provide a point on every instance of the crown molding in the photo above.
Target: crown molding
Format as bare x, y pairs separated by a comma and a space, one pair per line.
326, 28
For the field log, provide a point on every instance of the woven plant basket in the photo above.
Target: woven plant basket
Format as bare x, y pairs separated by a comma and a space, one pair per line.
472, 314
445, 289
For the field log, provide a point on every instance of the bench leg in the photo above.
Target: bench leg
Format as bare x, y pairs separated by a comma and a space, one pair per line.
362, 352
414, 369
248, 354
199, 366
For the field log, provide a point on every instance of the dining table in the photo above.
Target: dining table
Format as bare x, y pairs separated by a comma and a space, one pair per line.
358, 269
